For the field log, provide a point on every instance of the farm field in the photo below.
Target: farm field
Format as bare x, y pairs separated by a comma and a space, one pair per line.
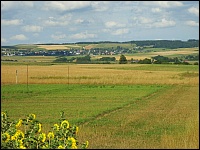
100, 74
114, 105
53, 47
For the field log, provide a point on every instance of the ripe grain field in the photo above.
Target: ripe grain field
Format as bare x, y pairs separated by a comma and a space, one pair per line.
100, 74
115, 106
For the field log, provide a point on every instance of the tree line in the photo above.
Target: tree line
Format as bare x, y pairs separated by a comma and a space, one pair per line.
123, 60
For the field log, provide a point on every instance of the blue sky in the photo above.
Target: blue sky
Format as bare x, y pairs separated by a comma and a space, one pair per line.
36, 22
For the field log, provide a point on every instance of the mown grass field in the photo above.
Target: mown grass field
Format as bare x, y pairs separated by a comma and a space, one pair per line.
115, 105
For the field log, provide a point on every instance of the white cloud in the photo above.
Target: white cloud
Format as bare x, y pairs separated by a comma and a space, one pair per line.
99, 5
164, 23
164, 4
145, 20
83, 35
79, 21
192, 23
32, 28
3, 40
82, 21
11, 22
19, 37
60, 21
55, 23
156, 10
72, 29
120, 31
65, 5
65, 17
9, 5
58, 37
111, 24
106, 30
194, 10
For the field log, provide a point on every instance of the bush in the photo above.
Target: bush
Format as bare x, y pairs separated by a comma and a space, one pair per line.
27, 134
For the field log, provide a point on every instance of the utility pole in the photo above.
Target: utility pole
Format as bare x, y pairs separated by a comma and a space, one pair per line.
16, 76
68, 75
27, 76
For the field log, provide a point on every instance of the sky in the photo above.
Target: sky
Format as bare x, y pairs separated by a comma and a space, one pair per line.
38, 22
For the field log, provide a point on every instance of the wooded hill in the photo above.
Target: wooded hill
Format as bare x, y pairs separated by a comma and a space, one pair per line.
155, 43
170, 44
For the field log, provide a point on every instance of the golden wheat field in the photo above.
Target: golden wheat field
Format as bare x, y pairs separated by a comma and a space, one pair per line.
97, 74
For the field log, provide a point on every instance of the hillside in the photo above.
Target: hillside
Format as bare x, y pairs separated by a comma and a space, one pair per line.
171, 44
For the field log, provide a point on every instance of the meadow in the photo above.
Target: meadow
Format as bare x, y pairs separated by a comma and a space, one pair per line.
114, 105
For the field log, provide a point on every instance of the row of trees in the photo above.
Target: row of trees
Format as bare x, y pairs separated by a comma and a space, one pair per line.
123, 60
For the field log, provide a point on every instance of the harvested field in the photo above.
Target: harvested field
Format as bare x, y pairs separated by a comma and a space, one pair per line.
57, 47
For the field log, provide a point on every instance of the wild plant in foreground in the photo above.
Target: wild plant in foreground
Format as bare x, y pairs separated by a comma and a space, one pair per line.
27, 134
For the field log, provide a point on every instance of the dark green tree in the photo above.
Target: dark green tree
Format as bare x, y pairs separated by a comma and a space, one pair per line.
122, 60
84, 60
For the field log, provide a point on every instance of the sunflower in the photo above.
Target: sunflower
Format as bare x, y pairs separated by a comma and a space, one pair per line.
86, 144
60, 147
64, 124
5, 137
42, 137
40, 127
56, 127
50, 135
19, 123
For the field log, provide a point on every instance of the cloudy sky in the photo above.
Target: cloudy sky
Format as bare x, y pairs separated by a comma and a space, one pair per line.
36, 22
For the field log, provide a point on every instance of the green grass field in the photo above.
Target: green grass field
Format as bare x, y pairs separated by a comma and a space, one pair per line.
80, 102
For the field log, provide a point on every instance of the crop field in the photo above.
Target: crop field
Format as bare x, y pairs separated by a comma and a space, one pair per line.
100, 74
53, 47
157, 51
115, 105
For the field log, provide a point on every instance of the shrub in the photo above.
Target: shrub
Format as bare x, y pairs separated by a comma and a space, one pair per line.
27, 134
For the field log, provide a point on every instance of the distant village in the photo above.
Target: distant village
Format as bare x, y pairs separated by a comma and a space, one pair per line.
71, 52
